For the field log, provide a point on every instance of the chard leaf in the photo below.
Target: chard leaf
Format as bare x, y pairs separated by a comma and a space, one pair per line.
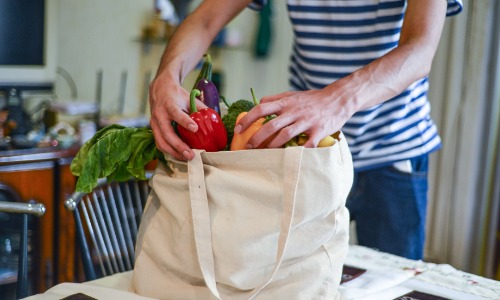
110, 156
82, 155
145, 153
120, 173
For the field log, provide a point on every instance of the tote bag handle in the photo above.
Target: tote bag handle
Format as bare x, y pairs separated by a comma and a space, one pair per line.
201, 216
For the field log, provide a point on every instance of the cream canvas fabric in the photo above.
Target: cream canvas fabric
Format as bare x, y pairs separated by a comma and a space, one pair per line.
253, 224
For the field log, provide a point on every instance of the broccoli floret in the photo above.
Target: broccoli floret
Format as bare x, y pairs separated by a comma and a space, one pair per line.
241, 106
233, 112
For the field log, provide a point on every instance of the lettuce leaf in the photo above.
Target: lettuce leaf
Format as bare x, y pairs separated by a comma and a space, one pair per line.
116, 153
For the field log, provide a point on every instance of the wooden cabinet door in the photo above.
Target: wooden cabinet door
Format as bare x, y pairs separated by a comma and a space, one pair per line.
36, 181
65, 225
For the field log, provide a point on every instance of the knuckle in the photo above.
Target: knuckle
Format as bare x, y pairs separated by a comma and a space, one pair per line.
259, 109
177, 143
288, 130
172, 110
155, 115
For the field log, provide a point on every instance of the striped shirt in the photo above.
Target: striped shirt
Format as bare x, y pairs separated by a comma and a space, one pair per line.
333, 38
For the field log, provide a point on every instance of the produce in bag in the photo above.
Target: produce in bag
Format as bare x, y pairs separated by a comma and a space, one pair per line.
208, 91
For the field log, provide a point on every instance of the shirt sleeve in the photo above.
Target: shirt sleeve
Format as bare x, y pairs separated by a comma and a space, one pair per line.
257, 4
454, 7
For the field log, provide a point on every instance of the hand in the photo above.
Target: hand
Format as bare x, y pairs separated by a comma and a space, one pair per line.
314, 112
169, 101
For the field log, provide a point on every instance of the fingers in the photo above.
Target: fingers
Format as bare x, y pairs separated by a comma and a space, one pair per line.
200, 105
181, 118
313, 140
277, 132
165, 136
164, 111
295, 113
268, 135
268, 106
259, 111
267, 99
274, 133
164, 146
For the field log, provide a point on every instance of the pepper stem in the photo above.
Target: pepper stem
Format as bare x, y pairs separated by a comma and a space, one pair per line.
192, 100
255, 101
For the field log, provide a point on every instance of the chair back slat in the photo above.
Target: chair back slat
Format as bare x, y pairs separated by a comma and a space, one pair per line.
145, 193
127, 197
110, 228
88, 267
110, 254
93, 236
112, 213
137, 198
127, 230
119, 229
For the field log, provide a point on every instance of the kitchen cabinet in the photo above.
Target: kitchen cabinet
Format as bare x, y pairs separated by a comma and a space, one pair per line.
43, 174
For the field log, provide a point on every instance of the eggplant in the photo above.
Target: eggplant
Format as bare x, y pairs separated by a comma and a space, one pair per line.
209, 93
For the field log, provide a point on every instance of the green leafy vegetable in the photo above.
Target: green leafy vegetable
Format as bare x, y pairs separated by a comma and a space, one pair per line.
116, 153
77, 164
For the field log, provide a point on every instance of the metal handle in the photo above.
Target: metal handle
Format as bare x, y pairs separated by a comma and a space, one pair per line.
72, 202
37, 209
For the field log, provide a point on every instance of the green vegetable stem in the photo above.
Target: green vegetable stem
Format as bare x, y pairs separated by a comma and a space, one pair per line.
206, 70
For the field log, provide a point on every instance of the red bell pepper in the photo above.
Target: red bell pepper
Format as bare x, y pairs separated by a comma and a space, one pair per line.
211, 135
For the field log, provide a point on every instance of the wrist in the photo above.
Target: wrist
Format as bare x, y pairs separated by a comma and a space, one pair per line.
166, 76
346, 97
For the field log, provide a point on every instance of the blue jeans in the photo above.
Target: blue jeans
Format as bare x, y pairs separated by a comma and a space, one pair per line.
389, 207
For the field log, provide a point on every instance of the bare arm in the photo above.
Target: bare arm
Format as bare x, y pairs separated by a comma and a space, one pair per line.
319, 113
168, 99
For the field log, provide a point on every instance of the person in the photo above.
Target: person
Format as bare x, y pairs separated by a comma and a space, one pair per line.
357, 66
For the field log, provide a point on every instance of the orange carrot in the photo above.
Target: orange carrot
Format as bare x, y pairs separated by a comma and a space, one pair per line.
240, 140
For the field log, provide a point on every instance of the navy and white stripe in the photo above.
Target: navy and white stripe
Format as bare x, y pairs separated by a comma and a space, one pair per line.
333, 38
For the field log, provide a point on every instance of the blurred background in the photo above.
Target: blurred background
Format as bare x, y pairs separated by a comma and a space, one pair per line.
100, 56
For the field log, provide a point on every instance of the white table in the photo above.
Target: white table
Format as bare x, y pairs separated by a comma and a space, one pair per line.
387, 277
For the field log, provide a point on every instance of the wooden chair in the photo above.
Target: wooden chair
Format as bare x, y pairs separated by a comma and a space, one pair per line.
10, 205
106, 222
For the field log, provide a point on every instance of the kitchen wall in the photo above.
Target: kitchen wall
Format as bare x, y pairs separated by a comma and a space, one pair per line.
98, 35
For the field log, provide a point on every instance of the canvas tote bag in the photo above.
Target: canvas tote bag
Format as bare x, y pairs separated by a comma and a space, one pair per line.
252, 224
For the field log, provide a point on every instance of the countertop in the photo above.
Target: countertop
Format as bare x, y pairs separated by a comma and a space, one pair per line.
36, 154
